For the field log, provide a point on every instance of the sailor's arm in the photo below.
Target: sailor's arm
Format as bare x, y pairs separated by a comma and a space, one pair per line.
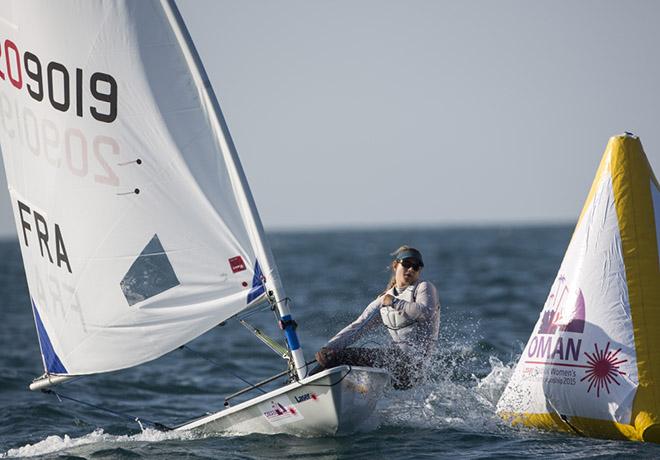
358, 328
425, 304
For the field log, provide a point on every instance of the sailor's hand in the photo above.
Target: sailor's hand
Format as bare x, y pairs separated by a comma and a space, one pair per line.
387, 300
324, 356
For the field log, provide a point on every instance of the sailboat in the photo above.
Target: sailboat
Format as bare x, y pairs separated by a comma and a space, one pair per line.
592, 364
137, 227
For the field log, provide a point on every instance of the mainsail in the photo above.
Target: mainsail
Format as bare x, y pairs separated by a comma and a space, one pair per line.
592, 363
137, 228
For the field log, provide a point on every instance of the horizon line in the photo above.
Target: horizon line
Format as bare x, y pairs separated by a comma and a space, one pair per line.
311, 228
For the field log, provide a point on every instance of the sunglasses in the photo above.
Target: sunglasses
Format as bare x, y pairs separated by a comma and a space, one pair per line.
408, 264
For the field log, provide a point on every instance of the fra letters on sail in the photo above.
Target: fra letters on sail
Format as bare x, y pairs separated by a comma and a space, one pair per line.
50, 241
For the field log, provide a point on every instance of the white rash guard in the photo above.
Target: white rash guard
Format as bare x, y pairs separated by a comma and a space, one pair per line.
413, 320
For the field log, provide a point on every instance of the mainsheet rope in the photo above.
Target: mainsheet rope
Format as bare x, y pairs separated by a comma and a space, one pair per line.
201, 355
139, 420
157, 425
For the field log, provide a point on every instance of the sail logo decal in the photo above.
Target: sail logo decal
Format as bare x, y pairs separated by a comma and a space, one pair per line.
603, 369
554, 358
237, 264
66, 90
566, 311
280, 411
548, 348
43, 235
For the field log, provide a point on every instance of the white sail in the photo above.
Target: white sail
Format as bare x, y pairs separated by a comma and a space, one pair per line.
137, 229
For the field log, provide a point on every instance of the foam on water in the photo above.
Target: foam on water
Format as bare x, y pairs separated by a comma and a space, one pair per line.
446, 402
492, 386
56, 443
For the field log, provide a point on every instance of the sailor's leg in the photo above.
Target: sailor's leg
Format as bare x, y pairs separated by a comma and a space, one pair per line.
369, 357
399, 363
402, 368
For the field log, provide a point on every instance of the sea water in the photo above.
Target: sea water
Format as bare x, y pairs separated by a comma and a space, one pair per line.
492, 282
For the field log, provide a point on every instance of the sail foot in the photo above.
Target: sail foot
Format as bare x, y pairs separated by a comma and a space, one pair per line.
47, 380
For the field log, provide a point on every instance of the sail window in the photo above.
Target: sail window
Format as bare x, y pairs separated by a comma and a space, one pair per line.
150, 274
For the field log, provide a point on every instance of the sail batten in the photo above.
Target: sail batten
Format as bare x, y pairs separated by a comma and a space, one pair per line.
137, 227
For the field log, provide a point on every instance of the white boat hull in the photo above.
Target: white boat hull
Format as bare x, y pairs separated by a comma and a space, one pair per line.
336, 401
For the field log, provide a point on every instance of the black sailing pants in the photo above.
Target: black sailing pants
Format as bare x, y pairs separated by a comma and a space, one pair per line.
403, 370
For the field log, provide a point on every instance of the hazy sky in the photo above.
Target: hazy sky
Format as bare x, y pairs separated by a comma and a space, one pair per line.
425, 112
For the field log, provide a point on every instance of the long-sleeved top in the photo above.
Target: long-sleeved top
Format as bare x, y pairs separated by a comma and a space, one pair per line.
413, 320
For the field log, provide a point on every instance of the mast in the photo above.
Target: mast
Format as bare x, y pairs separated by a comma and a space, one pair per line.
274, 288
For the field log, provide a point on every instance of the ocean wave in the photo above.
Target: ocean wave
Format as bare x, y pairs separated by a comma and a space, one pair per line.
93, 441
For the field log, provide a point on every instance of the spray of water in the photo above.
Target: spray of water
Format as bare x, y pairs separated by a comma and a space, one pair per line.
460, 391
442, 402
463, 382
92, 440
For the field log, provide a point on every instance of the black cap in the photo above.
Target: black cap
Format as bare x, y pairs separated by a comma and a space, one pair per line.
410, 253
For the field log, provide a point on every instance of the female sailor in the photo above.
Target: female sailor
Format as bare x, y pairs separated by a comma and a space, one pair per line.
409, 309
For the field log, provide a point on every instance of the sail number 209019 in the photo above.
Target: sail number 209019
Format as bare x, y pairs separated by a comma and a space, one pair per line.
55, 81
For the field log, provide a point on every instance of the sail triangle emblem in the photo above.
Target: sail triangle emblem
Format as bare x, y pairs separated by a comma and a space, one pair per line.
258, 286
592, 363
150, 274
51, 360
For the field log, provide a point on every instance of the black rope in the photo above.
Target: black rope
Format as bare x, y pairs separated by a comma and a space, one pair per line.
564, 419
570, 425
350, 368
201, 355
158, 426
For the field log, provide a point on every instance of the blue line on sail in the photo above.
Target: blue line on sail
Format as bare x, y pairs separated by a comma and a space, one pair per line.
258, 286
53, 363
